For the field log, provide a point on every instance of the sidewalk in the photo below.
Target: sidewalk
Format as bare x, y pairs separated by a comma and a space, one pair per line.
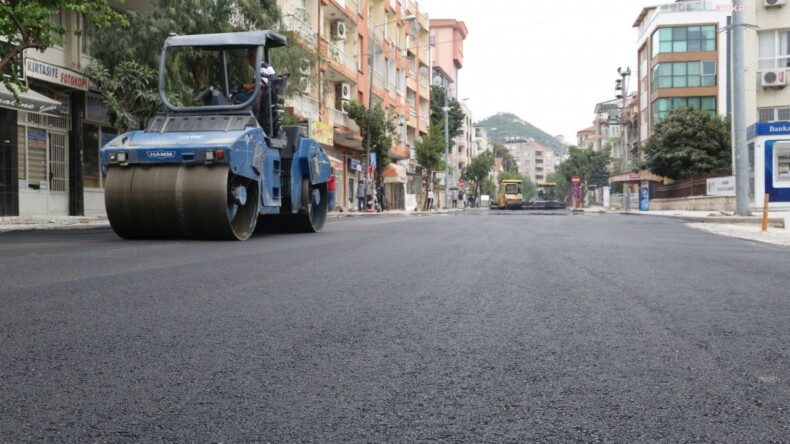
723, 223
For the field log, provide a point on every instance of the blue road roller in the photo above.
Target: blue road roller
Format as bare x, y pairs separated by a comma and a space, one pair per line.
216, 164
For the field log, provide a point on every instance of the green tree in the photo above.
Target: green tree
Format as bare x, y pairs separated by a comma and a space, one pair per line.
141, 40
430, 152
378, 131
688, 143
590, 166
455, 121
509, 163
478, 170
130, 93
27, 24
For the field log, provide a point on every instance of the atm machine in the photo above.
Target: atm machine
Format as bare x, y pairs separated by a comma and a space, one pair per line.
769, 164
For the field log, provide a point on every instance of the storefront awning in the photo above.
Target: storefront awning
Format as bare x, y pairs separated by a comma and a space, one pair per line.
30, 101
394, 174
347, 139
337, 164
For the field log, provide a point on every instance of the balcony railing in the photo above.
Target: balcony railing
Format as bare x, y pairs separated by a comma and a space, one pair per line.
292, 23
337, 117
378, 80
341, 56
304, 106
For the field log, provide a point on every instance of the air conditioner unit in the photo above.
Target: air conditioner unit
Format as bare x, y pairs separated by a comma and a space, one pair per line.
343, 91
339, 30
770, 3
304, 66
342, 105
773, 78
305, 85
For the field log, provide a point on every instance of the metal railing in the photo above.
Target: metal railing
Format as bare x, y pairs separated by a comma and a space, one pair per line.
341, 56
292, 23
339, 117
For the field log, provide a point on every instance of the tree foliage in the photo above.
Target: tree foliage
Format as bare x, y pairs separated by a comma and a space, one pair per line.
430, 151
509, 163
688, 143
378, 130
27, 24
141, 40
455, 121
478, 170
129, 93
589, 165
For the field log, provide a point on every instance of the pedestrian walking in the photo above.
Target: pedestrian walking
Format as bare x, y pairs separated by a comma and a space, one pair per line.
380, 195
331, 189
455, 200
461, 197
361, 196
430, 199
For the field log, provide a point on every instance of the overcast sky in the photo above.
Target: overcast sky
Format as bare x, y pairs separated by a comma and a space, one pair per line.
548, 62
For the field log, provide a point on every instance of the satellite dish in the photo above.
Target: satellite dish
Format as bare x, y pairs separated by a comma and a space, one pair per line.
437, 80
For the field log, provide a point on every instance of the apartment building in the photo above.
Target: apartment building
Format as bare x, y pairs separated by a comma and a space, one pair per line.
767, 85
49, 143
376, 53
767, 66
535, 161
682, 60
447, 59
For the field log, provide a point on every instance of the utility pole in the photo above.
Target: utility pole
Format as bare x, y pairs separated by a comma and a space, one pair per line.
446, 149
739, 112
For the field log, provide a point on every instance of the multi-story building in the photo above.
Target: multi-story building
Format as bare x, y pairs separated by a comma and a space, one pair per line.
585, 139
374, 52
767, 84
535, 161
682, 60
49, 144
447, 58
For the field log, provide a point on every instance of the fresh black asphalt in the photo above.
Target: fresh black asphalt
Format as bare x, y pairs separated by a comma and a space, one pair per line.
478, 326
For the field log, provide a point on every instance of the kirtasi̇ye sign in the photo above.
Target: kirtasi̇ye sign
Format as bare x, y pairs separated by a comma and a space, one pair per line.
55, 74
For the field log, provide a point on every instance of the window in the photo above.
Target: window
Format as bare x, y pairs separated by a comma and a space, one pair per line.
684, 39
774, 114
774, 49
88, 31
662, 107
684, 74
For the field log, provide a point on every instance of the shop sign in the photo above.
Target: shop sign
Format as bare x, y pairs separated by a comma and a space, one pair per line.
36, 138
18, 64
55, 74
721, 186
354, 164
65, 103
322, 133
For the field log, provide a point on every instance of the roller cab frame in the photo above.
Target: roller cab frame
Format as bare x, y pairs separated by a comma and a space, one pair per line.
216, 164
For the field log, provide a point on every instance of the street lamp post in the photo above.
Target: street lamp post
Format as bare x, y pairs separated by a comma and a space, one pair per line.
446, 110
368, 184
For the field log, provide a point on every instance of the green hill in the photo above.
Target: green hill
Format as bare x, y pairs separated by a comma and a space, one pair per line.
510, 125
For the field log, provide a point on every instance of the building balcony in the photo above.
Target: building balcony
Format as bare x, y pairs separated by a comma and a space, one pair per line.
301, 29
343, 58
399, 152
338, 118
304, 107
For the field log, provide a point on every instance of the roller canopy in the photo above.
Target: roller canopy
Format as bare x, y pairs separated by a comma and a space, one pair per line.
269, 39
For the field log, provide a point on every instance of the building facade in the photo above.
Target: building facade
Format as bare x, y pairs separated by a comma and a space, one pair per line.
682, 60
535, 161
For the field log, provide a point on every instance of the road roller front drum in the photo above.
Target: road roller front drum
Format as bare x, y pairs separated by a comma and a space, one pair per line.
181, 202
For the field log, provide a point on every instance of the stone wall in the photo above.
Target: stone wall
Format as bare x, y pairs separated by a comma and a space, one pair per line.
697, 203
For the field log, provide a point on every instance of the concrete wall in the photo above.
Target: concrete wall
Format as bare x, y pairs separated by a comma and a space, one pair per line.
699, 203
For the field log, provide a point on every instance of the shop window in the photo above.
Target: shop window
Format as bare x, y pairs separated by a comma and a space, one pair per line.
21, 154
57, 162
90, 156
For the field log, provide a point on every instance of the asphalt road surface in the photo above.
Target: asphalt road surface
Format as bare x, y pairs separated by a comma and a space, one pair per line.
479, 326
